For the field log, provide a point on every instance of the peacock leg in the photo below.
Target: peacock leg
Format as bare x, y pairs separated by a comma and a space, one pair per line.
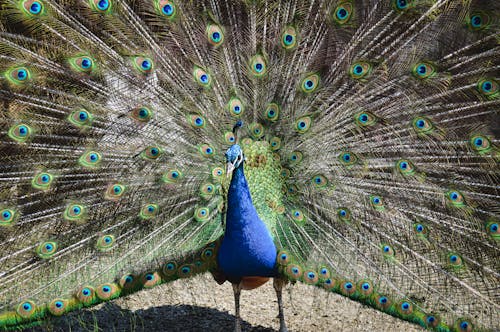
278, 284
237, 293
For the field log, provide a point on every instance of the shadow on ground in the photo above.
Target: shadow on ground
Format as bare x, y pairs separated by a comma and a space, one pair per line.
111, 317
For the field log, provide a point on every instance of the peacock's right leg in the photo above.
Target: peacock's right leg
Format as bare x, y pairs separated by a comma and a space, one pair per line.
237, 293
278, 284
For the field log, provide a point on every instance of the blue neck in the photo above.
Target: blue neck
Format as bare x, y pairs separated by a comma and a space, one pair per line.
239, 202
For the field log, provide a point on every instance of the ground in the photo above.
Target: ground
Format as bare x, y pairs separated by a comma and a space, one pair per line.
199, 304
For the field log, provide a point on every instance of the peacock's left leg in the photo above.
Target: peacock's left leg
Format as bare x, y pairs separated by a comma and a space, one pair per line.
278, 284
237, 293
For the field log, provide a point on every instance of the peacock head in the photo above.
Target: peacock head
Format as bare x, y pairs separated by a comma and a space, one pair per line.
234, 158
234, 155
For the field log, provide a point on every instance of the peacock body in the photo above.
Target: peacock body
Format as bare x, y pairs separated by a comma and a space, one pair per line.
345, 144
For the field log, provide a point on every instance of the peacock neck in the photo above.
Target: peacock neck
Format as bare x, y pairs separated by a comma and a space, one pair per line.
239, 203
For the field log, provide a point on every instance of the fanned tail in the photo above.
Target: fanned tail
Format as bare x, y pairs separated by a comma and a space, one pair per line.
369, 131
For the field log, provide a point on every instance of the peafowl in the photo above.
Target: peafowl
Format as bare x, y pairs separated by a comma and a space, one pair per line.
348, 145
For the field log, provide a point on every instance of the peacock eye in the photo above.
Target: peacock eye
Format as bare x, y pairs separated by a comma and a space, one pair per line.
319, 181
217, 173
206, 150
348, 159
275, 143
46, 250
151, 152
115, 191
90, 159
424, 70
422, 125
82, 64
455, 198
401, 5
143, 65
207, 191
75, 212
387, 250
22, 74
202, 77
295, 157
488, 88
166, 8
202, 214
103, 6
298, 216
303, 124
42, 181
455, 261
258, 65
196, 121
289, 38
57, 307
86, 63
18, 76
141, 114
360, 69
478, 21
310, 83
405, 307
405, 167
365, 119
419, 228
26, 309
431, 320
342, 13
229, 137
80, 118
272, 112
256, 130
105, 243
33, 7
20, 133
235, 107
215, 35
344, 214
492, 227
480, 144
377, 202
7, 217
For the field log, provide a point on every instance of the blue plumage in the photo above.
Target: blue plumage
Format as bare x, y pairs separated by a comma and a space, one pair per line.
247, 248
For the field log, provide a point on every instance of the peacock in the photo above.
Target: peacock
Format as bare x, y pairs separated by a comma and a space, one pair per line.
348, 145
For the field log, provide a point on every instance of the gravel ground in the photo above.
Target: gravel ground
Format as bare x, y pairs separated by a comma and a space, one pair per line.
199, 304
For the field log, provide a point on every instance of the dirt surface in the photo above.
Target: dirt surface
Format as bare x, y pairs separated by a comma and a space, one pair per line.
199, 304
